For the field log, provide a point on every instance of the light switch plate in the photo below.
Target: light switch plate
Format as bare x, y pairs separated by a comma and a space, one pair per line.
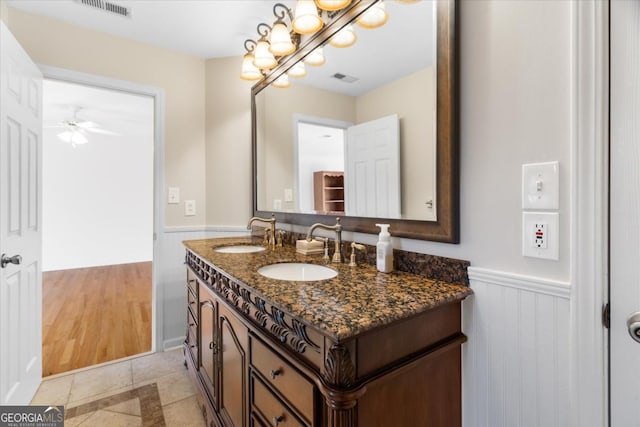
288, 195
173, 198
189, 207
541, 235
541, 186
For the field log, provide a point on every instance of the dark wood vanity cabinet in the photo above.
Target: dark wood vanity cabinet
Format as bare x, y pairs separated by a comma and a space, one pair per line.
255, 365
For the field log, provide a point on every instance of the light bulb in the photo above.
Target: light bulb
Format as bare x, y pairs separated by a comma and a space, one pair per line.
249, 71
280, 43
263, 58
374, 17
332, 5
298, 70
315, 58
306, 19
344, 38
282, 82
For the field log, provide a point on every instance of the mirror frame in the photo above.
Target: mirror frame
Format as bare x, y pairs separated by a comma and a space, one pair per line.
446, 227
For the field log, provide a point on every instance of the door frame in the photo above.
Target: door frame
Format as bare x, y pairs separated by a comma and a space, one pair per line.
77, 77
312, 120
589, 193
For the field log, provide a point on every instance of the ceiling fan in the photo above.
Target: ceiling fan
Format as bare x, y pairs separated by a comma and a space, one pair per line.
76, 130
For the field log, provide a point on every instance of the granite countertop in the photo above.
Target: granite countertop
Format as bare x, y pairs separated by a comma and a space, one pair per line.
357, 300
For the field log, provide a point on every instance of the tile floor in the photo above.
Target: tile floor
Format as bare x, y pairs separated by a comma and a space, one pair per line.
152, 390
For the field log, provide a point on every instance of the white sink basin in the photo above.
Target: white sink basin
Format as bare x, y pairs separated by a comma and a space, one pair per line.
239, 249
297, 271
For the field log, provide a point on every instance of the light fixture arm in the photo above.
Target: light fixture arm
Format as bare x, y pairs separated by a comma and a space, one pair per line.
284, 11
249, 45
263, 30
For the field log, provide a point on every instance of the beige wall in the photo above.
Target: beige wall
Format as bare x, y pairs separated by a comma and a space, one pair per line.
412, 98
4, 12
228, 143
279, 148
52, 42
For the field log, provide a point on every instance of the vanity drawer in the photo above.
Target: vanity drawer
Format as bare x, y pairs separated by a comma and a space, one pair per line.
293, 387
193, 343
192, 282
270, 407
192, 303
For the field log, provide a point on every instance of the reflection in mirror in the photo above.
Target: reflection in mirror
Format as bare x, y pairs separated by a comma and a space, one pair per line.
368, 113
427, 116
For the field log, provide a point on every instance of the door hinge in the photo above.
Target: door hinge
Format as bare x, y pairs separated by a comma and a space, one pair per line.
606, 315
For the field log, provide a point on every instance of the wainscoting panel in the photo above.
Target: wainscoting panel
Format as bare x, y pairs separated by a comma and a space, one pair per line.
516, 361
170, 269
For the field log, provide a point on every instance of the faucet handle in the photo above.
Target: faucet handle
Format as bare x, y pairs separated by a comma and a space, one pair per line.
279, 237
267, 237
355, 246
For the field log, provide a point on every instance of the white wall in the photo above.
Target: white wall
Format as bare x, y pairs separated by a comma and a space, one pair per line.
97, 198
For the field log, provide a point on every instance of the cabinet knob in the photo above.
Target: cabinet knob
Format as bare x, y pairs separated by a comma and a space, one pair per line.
275, 373
212, 346
277, 420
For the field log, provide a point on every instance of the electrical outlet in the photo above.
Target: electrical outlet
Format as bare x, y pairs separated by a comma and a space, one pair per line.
189, 207
540, 235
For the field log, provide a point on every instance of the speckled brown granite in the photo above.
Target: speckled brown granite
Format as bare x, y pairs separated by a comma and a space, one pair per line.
430, 266
359, 299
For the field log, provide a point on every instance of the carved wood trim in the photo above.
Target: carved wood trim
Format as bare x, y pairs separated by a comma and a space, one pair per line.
339, 369
267, 318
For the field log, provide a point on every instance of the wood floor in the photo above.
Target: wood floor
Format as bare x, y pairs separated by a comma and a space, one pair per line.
94, 315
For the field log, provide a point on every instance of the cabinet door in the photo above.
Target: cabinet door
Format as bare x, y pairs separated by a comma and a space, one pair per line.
233, 369
208, 345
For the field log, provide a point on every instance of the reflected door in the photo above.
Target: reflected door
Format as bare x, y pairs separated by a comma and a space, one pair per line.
372, 169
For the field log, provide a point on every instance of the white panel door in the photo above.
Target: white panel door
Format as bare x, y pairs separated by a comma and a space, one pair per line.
372, 169
20, 220
625, 211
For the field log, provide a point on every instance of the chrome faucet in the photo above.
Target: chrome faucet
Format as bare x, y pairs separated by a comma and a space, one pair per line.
272, 229
337, 256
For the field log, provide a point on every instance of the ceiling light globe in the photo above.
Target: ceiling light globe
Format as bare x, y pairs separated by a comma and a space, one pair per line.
344, 38
298, 70
374, 17
306, 19
280, 43
315, 58
249, 71
282, 82
262, 57
331, 5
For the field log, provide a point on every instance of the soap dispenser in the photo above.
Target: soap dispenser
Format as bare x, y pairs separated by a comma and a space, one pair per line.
384, 250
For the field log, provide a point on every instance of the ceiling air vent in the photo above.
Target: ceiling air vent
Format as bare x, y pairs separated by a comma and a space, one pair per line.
107, 6
344, 78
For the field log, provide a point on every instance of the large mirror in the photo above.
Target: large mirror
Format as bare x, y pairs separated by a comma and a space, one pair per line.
371, 135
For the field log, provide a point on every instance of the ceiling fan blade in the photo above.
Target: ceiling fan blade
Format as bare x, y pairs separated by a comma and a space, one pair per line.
101, 131
87, 125
57, 126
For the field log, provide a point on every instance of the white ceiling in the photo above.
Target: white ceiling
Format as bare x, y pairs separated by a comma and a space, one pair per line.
218, 28
123, 113
204, 28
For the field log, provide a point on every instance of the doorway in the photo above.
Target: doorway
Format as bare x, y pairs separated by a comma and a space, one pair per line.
98, 223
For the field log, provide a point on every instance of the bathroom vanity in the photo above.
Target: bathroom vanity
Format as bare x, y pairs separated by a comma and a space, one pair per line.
363, 348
